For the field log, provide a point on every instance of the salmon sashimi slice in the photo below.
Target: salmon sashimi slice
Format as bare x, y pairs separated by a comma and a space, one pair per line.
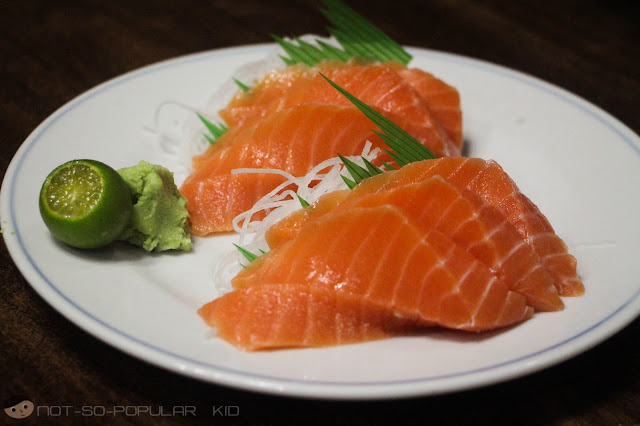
463, 216
380, 254
442, 99
214, 201
266, 96
378, 85
296, 139
273, 316
487, 179
293, 140
288, 227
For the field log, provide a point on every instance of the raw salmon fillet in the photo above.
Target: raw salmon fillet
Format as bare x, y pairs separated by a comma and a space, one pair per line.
298, 315
489, 181
213, 201
381, 255
378, 85
442, 99
288, 227
293, 140
465, 217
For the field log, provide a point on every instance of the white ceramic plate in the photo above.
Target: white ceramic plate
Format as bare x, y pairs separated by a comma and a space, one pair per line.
579, 164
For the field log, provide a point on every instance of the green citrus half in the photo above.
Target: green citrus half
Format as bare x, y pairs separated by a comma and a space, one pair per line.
85, 203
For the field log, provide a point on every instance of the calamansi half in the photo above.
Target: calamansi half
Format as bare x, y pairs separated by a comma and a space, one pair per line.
85, 203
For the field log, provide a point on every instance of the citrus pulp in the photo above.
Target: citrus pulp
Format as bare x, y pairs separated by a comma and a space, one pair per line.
85, 203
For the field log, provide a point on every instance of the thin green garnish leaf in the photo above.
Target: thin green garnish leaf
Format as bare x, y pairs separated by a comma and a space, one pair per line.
303, 202
247, 254
406, 148
356, 171
350, 183
358, 38
297, 54
242, 86
399, 160
333, 52
373, 170
216, 130
308, 54
388, 166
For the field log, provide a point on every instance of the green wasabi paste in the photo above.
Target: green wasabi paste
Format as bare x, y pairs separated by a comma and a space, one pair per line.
159, 220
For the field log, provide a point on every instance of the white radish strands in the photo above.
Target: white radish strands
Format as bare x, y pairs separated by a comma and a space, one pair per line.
323, 178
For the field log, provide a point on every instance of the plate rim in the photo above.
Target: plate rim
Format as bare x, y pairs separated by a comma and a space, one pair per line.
182, 365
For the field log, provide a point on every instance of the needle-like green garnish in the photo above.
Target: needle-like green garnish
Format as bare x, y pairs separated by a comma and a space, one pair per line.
358, 38
306, 53
388, 166
303, 202
404, 147
356, 171
247, 254
215, 130
350, 183
242, 86
373, 170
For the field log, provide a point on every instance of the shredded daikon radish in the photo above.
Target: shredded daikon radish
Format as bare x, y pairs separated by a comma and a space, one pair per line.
323, 178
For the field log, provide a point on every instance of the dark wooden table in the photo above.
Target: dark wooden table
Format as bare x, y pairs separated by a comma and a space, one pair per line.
52, 51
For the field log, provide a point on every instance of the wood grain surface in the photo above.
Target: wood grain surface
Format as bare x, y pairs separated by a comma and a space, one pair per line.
52, 51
